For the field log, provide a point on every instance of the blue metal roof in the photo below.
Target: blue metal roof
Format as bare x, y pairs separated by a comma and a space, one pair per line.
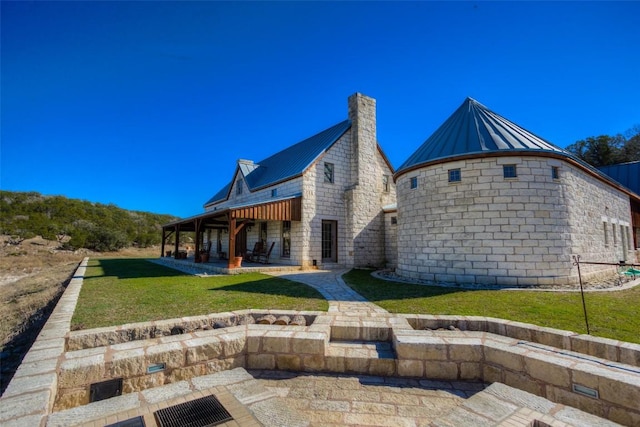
627, 174
286, 164
473, 128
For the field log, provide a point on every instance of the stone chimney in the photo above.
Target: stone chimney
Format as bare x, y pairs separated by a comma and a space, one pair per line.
362, 113
365, 227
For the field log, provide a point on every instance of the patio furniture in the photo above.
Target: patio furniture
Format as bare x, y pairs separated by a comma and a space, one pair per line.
264, 257
254, 255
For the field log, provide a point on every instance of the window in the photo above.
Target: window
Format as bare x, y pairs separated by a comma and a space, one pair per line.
509, 171
385, 183
555, 172
615, 237
394, 220
239, 186
454, 175
274, 192
414, 182
328, 172
286, 239
606, 233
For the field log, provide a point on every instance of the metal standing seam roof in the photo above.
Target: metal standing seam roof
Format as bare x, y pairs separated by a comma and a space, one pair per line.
627, 174
473, 128
286, 164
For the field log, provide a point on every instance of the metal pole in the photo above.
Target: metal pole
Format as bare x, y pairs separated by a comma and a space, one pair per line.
576, 262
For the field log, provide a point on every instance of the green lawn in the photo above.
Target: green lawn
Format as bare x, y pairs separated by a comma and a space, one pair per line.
125, 290
611, 314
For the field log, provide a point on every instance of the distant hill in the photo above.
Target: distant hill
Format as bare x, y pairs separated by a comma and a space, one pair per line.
78, 223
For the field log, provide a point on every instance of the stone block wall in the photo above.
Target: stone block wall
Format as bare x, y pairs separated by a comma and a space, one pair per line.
542, 361
325, 201
491, 230
391, 239
594, 207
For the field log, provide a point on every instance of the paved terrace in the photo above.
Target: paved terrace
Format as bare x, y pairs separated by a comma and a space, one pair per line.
413, 392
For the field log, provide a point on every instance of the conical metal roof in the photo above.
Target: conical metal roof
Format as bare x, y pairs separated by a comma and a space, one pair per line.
474, 129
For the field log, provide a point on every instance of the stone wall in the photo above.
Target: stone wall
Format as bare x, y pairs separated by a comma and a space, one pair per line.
491, 230
391, 239
547, 362
594, 206
325, 201
356, 197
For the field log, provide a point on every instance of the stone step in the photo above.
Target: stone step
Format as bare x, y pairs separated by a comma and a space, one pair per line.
361, 357
361, 349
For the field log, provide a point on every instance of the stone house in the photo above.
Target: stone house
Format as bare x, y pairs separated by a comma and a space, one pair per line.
485, 201
482, 201
316, 203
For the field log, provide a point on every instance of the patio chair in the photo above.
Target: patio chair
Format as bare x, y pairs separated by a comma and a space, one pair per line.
264, 257
254, 255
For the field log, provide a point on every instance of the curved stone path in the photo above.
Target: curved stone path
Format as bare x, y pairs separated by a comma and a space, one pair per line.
342, 299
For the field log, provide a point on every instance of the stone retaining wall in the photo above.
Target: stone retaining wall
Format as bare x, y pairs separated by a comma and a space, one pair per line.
543, 361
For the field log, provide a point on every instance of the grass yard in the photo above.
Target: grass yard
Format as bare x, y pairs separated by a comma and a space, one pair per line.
124, 290
611, 314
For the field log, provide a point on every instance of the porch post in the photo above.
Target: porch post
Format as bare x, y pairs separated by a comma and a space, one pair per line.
232, 243
175, 253
162, 246
196, 256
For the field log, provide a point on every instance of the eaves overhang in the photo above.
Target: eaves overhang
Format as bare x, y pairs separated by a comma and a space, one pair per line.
281, 209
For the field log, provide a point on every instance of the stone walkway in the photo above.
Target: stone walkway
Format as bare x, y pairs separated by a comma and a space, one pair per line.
342, 299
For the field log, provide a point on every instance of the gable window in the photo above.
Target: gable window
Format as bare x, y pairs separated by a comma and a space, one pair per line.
328, 173
385, 183
286, 239
555, 172
274, 192
455, 175
239, 186
414, 182
509, 171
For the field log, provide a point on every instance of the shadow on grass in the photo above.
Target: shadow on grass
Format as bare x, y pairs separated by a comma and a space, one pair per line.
273, 286
374, 289
128, 268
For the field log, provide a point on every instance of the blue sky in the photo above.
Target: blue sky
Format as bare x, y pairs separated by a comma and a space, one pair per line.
148, 105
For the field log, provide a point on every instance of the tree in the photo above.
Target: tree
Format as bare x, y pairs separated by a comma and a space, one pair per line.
606, 150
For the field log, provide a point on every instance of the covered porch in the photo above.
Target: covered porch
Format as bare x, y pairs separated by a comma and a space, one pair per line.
231, 224
220, 266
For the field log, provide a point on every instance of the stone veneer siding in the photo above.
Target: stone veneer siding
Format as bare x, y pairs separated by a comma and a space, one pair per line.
391, 239
355, 198
492, 230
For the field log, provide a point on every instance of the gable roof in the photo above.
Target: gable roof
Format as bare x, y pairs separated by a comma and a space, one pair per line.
286, 164
627, 174
471, 129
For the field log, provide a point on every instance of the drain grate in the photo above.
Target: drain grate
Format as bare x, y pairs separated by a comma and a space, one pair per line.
203, 412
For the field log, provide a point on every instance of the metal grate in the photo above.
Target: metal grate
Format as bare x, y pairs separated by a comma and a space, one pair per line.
203, 412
